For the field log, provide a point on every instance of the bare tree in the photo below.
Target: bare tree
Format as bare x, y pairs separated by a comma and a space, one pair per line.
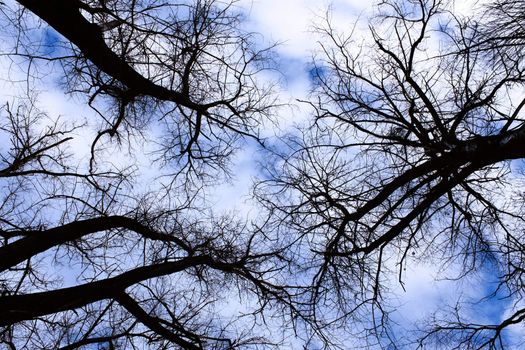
409, 158
502, 28
183, 63
88, 256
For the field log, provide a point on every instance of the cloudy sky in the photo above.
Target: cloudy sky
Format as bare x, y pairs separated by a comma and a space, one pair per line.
290, 23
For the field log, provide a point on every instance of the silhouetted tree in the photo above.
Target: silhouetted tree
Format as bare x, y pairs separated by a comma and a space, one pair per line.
408, 159
144, 265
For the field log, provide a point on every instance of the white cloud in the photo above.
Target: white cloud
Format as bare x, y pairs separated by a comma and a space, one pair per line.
467, 7
291, 22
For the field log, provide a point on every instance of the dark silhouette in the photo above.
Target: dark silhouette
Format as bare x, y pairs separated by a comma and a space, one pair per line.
410, 157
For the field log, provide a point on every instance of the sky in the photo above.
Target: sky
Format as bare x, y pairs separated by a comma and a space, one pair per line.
290, 23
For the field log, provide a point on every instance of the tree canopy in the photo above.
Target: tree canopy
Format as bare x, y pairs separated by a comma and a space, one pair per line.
412, 155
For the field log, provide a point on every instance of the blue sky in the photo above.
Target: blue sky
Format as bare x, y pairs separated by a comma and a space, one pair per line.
289, 22
426, 286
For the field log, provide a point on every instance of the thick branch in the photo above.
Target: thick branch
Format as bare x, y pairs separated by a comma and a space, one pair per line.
65, 17
40, 241
152, 323
17, 308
